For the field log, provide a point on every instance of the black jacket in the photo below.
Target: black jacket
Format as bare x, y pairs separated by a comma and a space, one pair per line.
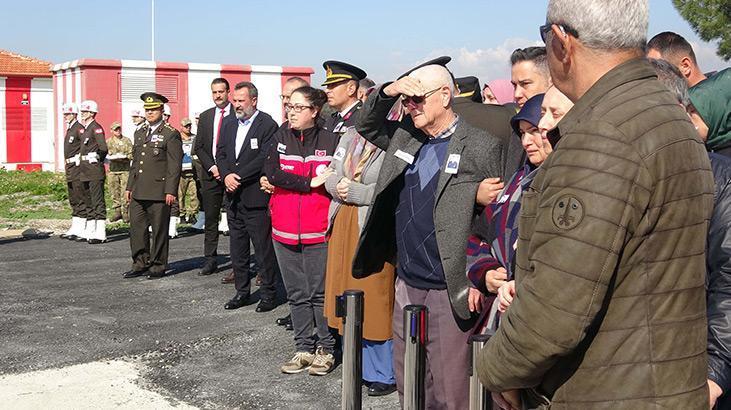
203, 145
92, 140
247, 163
718, 280
71, 148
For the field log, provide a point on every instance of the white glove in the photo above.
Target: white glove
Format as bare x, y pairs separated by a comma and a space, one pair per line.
77, 160
93, 157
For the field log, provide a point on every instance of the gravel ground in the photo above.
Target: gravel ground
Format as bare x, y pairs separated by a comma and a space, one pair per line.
65, 303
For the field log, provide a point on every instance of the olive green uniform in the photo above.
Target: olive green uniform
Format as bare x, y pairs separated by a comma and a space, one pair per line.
120, 154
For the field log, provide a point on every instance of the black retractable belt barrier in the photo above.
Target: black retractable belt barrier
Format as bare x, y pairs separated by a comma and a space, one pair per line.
415, 337
349, 306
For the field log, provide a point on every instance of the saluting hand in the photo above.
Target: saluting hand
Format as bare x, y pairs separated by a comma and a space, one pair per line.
407, 86
169, 199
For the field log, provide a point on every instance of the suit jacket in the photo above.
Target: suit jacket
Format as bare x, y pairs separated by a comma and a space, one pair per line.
495, 120
156, 163
203, 146
92, 140
249, 161
480, 157
71, 148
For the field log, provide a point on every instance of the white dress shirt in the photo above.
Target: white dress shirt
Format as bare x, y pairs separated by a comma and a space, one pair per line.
241, 132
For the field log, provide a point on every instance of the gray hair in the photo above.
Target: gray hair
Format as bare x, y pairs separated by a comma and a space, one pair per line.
603, 24
250, 87
671, 77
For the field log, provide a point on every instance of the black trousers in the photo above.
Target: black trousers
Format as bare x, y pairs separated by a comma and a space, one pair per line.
93, 192
253, 224
141, 215
212, 199
76, 198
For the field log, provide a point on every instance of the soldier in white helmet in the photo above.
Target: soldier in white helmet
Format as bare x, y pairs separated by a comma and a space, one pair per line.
138, 118
72, 160
93, 152
166, 113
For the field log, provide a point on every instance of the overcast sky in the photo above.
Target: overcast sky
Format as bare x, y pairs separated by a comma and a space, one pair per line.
383, 37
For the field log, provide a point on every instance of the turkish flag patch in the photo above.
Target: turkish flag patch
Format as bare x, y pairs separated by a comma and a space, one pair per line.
98, 131
320, 153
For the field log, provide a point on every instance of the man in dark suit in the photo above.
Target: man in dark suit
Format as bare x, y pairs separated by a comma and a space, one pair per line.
493, 119
152, 186
206, 141
240, 155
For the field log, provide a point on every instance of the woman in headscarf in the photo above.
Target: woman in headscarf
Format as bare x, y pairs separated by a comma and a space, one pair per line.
356, 164
491, 252
498, 92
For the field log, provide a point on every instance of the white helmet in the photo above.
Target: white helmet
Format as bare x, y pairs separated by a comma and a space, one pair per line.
89, 105
166, 110
137, 113
69, 108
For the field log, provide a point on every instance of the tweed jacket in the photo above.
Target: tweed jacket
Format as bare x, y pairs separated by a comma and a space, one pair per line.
610, 302
480, 156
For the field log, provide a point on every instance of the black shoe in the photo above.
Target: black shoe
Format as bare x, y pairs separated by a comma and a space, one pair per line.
381, 389
134, 273
208, 268
289, 326
156, 275
95, 241
265, 305
240, 300
282, 321
69, 237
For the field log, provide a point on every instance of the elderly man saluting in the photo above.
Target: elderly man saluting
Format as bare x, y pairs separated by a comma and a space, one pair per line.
610, 306
423, 205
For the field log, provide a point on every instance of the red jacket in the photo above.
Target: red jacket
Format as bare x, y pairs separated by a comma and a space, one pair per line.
299, 213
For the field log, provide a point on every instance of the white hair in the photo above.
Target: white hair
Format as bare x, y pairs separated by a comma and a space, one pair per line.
604, 24
433, 76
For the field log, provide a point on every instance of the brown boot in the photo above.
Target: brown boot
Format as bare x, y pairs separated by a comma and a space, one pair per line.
117, 216
229, 278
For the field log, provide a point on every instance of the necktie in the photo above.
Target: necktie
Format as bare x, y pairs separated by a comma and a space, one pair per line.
218, 132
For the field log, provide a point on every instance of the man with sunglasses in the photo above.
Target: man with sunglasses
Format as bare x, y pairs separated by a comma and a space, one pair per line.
424, 203
609, 308
341, 87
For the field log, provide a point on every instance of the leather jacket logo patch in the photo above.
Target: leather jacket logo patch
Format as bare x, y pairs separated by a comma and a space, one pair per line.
568, 212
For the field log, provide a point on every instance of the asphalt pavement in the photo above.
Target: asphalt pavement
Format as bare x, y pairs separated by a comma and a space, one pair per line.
65, 303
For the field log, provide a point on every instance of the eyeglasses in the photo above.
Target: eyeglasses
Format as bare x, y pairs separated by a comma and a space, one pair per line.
296, 107
417, 99
565, 29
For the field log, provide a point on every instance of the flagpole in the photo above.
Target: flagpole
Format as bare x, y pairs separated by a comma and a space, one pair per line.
153, 30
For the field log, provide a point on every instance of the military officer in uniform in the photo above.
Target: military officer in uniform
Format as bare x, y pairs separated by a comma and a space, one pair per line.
341, 84
120, 154
72, 158
152, 188
93, 152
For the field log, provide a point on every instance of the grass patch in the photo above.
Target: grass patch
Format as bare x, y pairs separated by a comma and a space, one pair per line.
33, 195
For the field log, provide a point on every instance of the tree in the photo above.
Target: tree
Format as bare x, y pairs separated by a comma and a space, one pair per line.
711, 19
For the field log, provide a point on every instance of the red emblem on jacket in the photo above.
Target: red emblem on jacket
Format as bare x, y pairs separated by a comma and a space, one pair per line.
320, 153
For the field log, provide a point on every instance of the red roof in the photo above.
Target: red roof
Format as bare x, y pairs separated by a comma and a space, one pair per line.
15, 64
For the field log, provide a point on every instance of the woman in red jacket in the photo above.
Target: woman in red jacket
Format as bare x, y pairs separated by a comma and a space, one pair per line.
297, 167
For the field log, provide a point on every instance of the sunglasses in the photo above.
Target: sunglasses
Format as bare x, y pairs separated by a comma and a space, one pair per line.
565, 29
416, 100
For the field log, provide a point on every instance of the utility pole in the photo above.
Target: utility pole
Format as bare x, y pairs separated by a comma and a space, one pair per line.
153, 31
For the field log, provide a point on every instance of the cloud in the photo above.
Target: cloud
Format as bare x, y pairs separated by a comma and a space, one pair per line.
707, 58
486, 64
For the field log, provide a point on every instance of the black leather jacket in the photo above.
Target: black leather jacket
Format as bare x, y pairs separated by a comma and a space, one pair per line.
718, 280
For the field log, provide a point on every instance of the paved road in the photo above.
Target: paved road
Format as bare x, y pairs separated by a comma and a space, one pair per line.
64, 303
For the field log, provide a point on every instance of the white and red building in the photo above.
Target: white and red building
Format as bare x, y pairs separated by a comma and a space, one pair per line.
116, 86
26, 113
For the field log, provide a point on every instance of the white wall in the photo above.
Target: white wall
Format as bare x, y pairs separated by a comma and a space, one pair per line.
268, 80
41, 123
199, 89
137, 77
